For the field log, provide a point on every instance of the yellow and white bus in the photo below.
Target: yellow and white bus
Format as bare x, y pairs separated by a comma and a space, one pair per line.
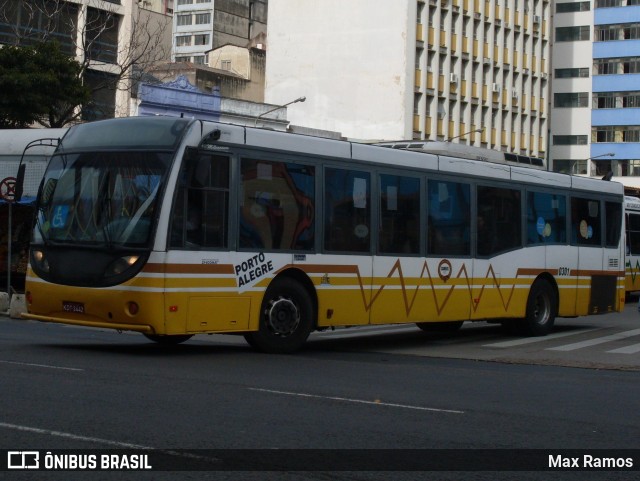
632, 260
173, 227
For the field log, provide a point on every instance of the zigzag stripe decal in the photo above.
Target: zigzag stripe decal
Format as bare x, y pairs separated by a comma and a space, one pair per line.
410, 298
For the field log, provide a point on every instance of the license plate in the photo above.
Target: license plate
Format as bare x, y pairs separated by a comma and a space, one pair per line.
70, 306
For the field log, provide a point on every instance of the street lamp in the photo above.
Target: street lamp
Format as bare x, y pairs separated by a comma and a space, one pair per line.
299, 99
573, 163
475, 131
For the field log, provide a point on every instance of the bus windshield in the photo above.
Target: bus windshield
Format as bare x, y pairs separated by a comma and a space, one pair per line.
101, 198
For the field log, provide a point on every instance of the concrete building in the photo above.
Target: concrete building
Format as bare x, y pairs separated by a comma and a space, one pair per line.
414, 69
596, 103
116, 39
200, 26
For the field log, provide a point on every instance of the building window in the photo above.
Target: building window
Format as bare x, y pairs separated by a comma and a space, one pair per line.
571, 100
183, 41
203, 18
605, 33
198, 59
202, 39
571, 73
184, 20
183, 59
573, 34
573, 7
102, 35
185, 2
570, 139
615, 3
225, 64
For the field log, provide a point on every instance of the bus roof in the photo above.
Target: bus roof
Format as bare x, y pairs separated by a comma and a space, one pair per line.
418, 159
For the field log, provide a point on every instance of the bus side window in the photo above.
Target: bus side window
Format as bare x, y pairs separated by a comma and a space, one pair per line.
200, 215
449, 223
585, 222
633, 233
499, 220
277, 205
347, 211
613, 223
546, 218
399, 230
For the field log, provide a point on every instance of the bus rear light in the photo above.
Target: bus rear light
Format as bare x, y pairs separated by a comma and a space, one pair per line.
133, 308
173, 308
28, 297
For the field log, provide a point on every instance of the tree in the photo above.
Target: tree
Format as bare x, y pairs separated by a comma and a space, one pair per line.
115, 44
39, 84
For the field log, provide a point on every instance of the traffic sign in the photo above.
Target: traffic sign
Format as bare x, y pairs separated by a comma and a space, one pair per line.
8, 189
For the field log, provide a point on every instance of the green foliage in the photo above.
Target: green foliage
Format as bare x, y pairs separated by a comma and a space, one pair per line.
41, 84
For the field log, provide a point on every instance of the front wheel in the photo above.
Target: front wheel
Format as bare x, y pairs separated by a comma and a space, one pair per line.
541, 309
287, 317
169, 340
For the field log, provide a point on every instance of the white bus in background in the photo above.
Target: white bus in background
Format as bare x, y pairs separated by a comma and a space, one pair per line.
12, 147
632, 260
16, 216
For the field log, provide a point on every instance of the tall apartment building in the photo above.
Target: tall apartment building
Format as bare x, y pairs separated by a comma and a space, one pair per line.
596, 103
415, 69
202, 25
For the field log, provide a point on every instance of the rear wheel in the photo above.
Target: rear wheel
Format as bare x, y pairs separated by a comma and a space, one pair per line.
541, 309
287, 317
168, 340
440, 326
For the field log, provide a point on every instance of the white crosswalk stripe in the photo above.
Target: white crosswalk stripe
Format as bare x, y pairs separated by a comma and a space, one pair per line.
632, 349
594, 342
532, 340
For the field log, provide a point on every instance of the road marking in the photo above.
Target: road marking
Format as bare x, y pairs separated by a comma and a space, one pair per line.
46, 366
108, 442
75, 437
632, 349
594, 342
531, 340
358, 401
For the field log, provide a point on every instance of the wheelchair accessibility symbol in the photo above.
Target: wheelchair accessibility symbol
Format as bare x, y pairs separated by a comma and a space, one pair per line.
60, 214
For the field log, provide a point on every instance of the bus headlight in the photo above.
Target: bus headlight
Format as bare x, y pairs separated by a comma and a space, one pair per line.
120, 265
40, 260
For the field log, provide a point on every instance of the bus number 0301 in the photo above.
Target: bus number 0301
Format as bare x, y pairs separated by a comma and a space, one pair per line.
564, 271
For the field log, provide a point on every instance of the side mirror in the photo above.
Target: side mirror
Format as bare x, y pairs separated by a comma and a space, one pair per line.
20, 183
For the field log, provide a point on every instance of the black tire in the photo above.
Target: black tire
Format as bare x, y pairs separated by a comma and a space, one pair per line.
542, 306
287, 317
169, 340
440, 326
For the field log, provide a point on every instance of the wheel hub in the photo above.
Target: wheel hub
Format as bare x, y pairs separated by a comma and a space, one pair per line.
283, 317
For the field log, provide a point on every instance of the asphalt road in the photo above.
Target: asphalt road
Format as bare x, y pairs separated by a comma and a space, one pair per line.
72, 388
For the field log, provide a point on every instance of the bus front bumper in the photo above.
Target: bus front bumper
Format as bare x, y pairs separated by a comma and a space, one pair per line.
106, 325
